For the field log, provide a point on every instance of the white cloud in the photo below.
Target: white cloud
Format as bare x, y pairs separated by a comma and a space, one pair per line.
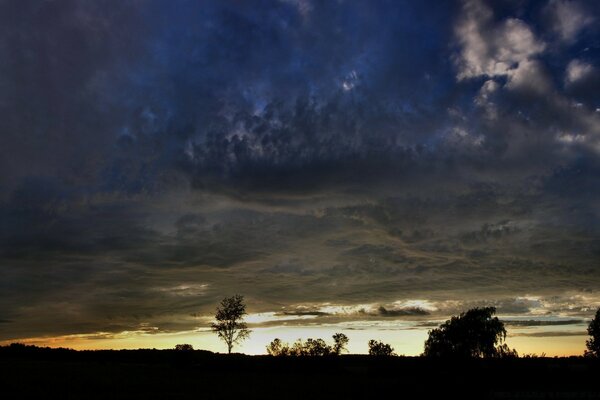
577, 70
350, 81
515, 43
483, 98
492, 49
568, 18
587, 131
570, 138
529, 75
473, 59
489, 87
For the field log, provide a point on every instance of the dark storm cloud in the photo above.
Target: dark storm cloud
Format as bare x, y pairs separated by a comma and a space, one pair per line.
257, 95
241, 96
156, 156
305, 313
408, 311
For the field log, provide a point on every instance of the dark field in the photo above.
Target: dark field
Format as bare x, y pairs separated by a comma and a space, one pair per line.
158, 374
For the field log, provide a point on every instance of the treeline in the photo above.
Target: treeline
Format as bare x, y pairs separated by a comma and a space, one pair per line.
26, 351
311, 347
318, 347
476, 333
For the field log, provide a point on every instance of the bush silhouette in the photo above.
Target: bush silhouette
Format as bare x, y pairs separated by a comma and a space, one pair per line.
377, 348
184, 347
593, 343
474, 333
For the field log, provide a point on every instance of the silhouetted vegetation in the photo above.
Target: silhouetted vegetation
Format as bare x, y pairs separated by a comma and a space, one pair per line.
311, 347
315, 347
340, 341
277, 348
475, 337
377, 348
533, 355
45, 373
475, 333
230, 325
593, 343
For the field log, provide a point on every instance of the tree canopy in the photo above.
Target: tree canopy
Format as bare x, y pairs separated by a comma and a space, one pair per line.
340, 341
377, 348
311, 347
229, 325
593, 343
475, 333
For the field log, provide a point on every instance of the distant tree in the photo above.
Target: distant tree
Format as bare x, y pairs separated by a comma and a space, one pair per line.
474, 333
298, 349
230, 325
503, 351
184, 347
533, 355
340, 342
317, 347
593, 343
311, 347
377, 348
278, 348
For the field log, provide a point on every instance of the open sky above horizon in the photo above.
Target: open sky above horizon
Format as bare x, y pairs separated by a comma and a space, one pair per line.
366, 167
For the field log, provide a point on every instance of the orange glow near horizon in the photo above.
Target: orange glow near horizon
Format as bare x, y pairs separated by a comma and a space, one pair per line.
407, 342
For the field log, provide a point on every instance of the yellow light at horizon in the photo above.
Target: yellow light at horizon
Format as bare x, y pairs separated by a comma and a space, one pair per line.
405, 341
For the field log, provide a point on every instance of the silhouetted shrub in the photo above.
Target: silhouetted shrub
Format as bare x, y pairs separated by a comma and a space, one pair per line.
474, 333
184, 347
377, 348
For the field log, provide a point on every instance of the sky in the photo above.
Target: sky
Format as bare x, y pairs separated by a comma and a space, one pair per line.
366, 167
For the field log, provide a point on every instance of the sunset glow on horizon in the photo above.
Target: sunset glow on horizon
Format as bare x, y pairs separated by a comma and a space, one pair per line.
405, 343
552, 337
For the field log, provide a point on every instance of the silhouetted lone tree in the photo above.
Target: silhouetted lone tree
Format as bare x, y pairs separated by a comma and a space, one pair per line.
474, 333
340, 341
184, 347
230, 326
593, 343
377, 348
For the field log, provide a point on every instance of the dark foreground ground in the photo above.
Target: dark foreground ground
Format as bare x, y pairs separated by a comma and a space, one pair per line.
167, 374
